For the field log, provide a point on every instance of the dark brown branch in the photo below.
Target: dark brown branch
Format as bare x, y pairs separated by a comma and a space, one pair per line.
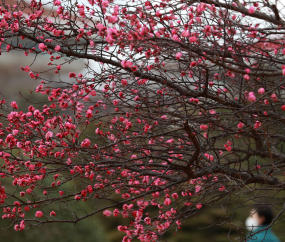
197, 149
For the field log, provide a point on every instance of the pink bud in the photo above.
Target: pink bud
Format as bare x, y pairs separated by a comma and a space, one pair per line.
203, 127
274, 97
222, 188
178, 55
251, 97
107, 213
240, 125
14, 105
167, 201
158, 14
72, 74
246, 77
251, 10
261, 90
228, 148
198, 205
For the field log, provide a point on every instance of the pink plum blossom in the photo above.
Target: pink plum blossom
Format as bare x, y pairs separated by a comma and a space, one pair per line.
203, 127
39, 214
251, 97
167, 201
261, 90
198, 205
251, 10
14, 105
107, 213
57, 48
85, 143
178, 55
240, 125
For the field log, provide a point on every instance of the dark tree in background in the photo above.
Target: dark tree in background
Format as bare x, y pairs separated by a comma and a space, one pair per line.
180, 107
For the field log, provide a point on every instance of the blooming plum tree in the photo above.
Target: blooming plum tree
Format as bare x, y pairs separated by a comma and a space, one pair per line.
183, 109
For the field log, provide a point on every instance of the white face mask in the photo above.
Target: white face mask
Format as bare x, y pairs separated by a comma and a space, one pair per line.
251, 223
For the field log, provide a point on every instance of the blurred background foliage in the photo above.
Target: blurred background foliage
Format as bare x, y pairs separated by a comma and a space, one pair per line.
208, 225
213, 224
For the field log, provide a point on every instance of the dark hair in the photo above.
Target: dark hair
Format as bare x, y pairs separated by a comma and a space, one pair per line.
266, 212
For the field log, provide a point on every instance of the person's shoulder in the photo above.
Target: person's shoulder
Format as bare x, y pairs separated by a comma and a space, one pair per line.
256, 237
264, 236
268, 236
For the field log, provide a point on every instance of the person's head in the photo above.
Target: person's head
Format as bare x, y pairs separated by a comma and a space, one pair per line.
264, 214
259, 216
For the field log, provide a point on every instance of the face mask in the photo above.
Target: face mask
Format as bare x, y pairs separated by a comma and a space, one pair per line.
251, 223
